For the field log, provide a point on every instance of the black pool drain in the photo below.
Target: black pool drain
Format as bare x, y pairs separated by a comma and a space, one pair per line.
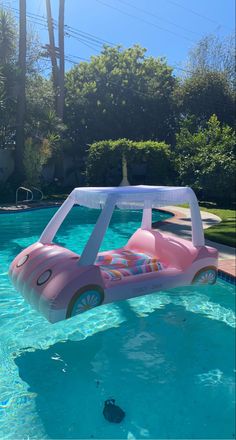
112, 412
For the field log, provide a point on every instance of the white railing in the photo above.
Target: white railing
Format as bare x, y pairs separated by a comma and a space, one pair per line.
38, 191
29, 194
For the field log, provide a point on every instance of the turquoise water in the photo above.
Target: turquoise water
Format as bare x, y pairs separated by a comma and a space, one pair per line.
167, 358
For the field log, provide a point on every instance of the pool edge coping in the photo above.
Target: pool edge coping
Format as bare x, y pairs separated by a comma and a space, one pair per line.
25, 208
226, 276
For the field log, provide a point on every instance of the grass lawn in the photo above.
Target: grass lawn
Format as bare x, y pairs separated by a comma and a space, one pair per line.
225, 231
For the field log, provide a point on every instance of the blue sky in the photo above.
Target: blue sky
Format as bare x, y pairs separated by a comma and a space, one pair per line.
165, 27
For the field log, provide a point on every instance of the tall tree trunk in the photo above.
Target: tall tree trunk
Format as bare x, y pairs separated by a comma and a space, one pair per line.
20, 138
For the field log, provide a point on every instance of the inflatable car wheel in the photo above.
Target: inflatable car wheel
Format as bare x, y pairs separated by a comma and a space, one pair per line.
86, 298
207, 275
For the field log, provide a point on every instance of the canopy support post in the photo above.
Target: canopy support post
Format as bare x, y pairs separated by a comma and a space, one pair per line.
147, 215
91, 249
56, 221
198, 238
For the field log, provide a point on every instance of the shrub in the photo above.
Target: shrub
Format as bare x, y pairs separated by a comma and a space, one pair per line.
36, 154
147, 162
205, 160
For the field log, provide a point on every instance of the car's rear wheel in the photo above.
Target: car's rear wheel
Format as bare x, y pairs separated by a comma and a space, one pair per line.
84, 299
207, 275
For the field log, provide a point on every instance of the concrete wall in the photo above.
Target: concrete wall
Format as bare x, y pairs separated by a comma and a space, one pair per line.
48, 173
7, 164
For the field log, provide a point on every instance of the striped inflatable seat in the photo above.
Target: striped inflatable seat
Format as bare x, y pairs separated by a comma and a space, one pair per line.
119, 264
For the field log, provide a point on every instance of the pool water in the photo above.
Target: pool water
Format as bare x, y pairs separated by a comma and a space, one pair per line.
167, 358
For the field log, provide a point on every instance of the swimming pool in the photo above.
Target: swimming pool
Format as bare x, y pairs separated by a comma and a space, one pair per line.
167, 358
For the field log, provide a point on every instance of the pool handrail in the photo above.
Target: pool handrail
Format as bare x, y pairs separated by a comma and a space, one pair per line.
28, 191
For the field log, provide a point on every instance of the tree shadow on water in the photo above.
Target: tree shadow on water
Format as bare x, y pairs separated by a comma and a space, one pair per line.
66, 385
72, 379
152, 366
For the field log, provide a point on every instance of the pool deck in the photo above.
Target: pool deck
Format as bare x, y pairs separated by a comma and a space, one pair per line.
179, 225
9, 208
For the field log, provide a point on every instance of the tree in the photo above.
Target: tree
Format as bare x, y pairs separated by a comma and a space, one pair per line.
41, 118
41, 123
205, 160
120, 93
8, 74
204, 94
35, 156
213, 53
42, 128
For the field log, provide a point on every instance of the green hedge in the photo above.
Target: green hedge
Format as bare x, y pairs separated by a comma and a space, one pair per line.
205, 160
148, 162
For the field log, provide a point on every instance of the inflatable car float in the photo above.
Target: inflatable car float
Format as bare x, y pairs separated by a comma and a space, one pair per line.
60, 283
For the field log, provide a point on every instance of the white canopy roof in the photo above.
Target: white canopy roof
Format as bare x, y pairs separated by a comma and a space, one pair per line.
126, 197
132, 197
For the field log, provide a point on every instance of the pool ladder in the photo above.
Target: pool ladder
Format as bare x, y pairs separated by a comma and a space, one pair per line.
29, 194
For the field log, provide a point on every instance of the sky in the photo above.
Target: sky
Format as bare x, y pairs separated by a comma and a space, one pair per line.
168, 28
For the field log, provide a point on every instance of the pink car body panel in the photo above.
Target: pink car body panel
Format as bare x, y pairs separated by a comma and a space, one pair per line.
49, 277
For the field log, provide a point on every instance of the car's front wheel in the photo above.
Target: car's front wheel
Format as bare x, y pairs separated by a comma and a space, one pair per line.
86, 298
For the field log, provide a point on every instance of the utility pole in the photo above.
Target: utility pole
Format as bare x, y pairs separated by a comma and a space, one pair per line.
20, 119
57, 73
60, 107
52, 51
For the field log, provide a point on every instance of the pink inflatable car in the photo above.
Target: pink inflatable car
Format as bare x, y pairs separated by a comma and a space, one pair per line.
61, 284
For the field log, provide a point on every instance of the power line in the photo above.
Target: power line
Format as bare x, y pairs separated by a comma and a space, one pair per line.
144, 20
151, 14
77, 57
89, 40
85, 38
85, 43
194, 12
76, 34
90, 36
70, 31
31, 18
81, 38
